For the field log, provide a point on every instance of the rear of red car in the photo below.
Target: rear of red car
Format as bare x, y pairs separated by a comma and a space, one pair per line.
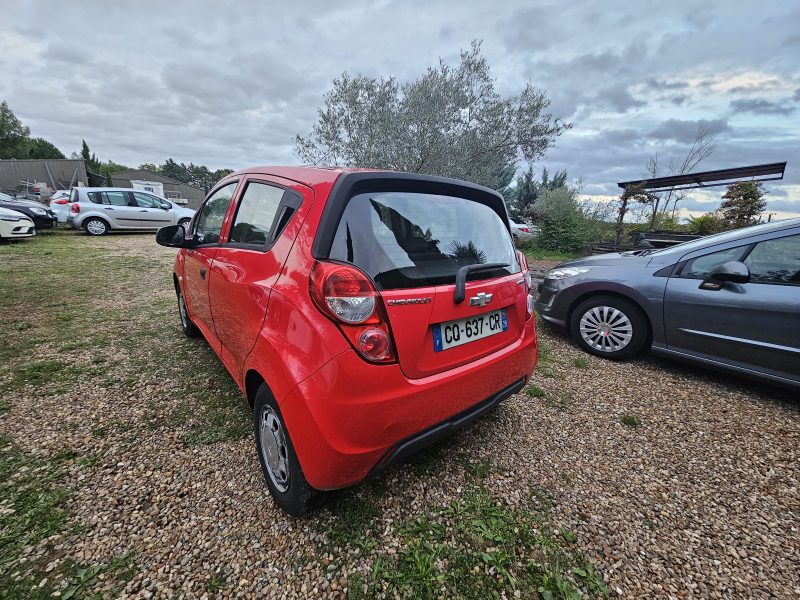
420, 277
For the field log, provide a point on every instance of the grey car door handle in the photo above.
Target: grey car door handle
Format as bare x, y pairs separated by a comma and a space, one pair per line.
203, 273
108, 208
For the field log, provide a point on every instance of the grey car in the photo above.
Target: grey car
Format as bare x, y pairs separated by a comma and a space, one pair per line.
729, 301
100, 210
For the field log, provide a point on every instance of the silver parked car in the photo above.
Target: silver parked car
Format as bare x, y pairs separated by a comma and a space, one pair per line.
729, 301
100, 210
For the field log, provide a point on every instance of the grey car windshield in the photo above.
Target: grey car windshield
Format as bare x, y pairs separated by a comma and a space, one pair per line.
405, 239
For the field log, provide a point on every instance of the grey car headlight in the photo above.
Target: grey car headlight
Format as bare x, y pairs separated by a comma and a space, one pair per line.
39, 211
10, 218
565, 272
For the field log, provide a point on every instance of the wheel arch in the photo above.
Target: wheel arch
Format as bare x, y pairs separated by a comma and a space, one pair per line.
88, 218
252, 381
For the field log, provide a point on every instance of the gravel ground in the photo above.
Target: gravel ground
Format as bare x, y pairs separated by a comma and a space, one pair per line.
697, 495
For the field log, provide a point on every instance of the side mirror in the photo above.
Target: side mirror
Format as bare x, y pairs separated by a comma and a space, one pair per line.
734, 271
165, 206
173, 236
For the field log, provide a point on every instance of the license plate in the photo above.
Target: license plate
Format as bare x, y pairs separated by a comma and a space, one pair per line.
462, 331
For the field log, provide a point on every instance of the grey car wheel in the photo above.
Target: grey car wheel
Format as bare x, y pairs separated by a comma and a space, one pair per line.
96, 227
606, 328
609, 326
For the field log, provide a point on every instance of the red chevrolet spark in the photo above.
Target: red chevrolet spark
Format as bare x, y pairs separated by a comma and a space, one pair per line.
363, 314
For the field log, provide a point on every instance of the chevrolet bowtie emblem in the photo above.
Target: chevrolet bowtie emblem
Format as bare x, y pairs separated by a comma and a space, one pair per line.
480, 299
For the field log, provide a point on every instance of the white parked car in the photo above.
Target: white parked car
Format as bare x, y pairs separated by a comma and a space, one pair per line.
100, 210
15, 225
521, 232
59, 204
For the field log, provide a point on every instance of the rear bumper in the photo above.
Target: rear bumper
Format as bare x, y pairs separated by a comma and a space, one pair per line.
351, 418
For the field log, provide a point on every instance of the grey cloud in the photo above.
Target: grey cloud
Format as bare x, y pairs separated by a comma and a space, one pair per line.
658, 84
679, 99
797, 94
685, 131
760, 106
617, 98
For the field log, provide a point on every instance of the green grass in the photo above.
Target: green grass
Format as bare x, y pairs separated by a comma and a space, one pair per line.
354, 520
478, 547
581, 362
630, 420
534, 391
533, 253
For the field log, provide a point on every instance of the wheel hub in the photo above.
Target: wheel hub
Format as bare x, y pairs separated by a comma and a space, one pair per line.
606, 328
274, 449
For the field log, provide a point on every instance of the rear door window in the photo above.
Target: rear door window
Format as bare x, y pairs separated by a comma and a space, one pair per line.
407, 239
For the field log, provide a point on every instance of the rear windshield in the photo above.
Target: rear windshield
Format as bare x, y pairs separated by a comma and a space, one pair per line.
405, 239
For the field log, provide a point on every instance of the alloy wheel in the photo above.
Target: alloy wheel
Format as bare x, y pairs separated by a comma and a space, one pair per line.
606, 328
274, 449
96, 227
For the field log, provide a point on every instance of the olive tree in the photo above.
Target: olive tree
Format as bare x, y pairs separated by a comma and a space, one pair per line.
450, 121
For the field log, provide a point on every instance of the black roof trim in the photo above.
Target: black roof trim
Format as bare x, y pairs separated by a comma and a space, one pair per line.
766, 172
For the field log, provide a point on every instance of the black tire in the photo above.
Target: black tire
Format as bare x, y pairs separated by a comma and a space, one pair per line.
293, 493
606, 333
189, 328
96, 227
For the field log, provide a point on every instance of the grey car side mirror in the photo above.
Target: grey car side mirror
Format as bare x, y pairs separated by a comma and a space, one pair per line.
733, 271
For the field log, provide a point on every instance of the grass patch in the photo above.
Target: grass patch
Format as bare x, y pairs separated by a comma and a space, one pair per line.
581, 362
478, 547
534, 391
355, 516
630, 420
534, 253
30, 503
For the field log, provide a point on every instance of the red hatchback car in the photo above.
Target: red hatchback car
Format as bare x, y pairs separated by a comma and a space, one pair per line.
363, 314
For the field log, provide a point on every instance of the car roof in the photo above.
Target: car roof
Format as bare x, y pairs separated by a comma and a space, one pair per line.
308, 175
730, 236
112, 189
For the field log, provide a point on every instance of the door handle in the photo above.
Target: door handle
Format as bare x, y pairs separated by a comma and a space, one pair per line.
108, 208
203, 273
143, 210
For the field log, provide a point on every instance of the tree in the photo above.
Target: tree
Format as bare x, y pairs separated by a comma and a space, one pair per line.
13, 134
702, 147
450, 121
635, 193
41, 148
560, 220
742, 204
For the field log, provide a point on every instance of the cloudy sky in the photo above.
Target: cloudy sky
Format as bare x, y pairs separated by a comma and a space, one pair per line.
231, 85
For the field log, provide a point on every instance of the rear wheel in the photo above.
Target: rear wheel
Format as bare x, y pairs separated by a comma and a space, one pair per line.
609, 327
95, 226
189, 328
185, 224
282, 471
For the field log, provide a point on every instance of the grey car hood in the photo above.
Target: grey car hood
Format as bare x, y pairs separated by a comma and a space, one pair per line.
616, 259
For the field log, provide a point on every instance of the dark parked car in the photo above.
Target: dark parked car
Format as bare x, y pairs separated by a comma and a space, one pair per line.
728, 301
42, 217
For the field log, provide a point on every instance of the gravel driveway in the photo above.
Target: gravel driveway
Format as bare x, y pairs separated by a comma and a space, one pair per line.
669, 480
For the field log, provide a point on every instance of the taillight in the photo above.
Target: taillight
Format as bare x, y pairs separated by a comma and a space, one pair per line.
525, 229
348, 297
76, 208
61, 201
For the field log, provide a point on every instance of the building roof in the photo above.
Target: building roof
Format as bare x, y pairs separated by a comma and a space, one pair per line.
132, 174
766, 172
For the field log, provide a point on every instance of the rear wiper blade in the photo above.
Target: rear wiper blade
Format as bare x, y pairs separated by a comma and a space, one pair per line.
461, 277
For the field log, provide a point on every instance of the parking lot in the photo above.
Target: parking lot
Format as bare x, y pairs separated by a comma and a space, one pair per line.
128, 467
